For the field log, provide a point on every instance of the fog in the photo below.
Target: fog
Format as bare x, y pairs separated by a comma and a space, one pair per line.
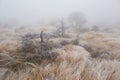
33, 11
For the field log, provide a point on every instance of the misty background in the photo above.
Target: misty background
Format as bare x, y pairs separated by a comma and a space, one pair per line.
36, 11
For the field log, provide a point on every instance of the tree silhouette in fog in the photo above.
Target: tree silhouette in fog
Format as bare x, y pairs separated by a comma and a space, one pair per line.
77, 19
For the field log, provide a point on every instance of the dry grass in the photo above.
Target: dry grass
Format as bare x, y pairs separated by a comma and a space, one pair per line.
68, 66
95, 57
101, 70
100, 45
8, 45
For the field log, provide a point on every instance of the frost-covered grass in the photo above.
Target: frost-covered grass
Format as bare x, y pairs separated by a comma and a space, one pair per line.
96, 56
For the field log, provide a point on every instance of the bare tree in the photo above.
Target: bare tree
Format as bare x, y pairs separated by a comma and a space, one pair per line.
61, 28
77, 19
95, 28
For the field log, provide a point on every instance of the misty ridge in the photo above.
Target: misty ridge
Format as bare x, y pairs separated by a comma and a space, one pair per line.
59, 40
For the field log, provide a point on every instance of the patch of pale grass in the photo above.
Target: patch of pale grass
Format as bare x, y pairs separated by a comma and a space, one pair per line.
101, 70
99, 44
8, 45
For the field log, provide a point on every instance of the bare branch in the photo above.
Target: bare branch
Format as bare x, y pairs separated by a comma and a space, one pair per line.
41, 37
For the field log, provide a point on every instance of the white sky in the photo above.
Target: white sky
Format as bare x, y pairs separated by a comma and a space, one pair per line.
106, 11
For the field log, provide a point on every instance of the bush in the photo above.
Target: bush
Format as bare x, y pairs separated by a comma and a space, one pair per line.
76, 41
27, 44
34, 51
